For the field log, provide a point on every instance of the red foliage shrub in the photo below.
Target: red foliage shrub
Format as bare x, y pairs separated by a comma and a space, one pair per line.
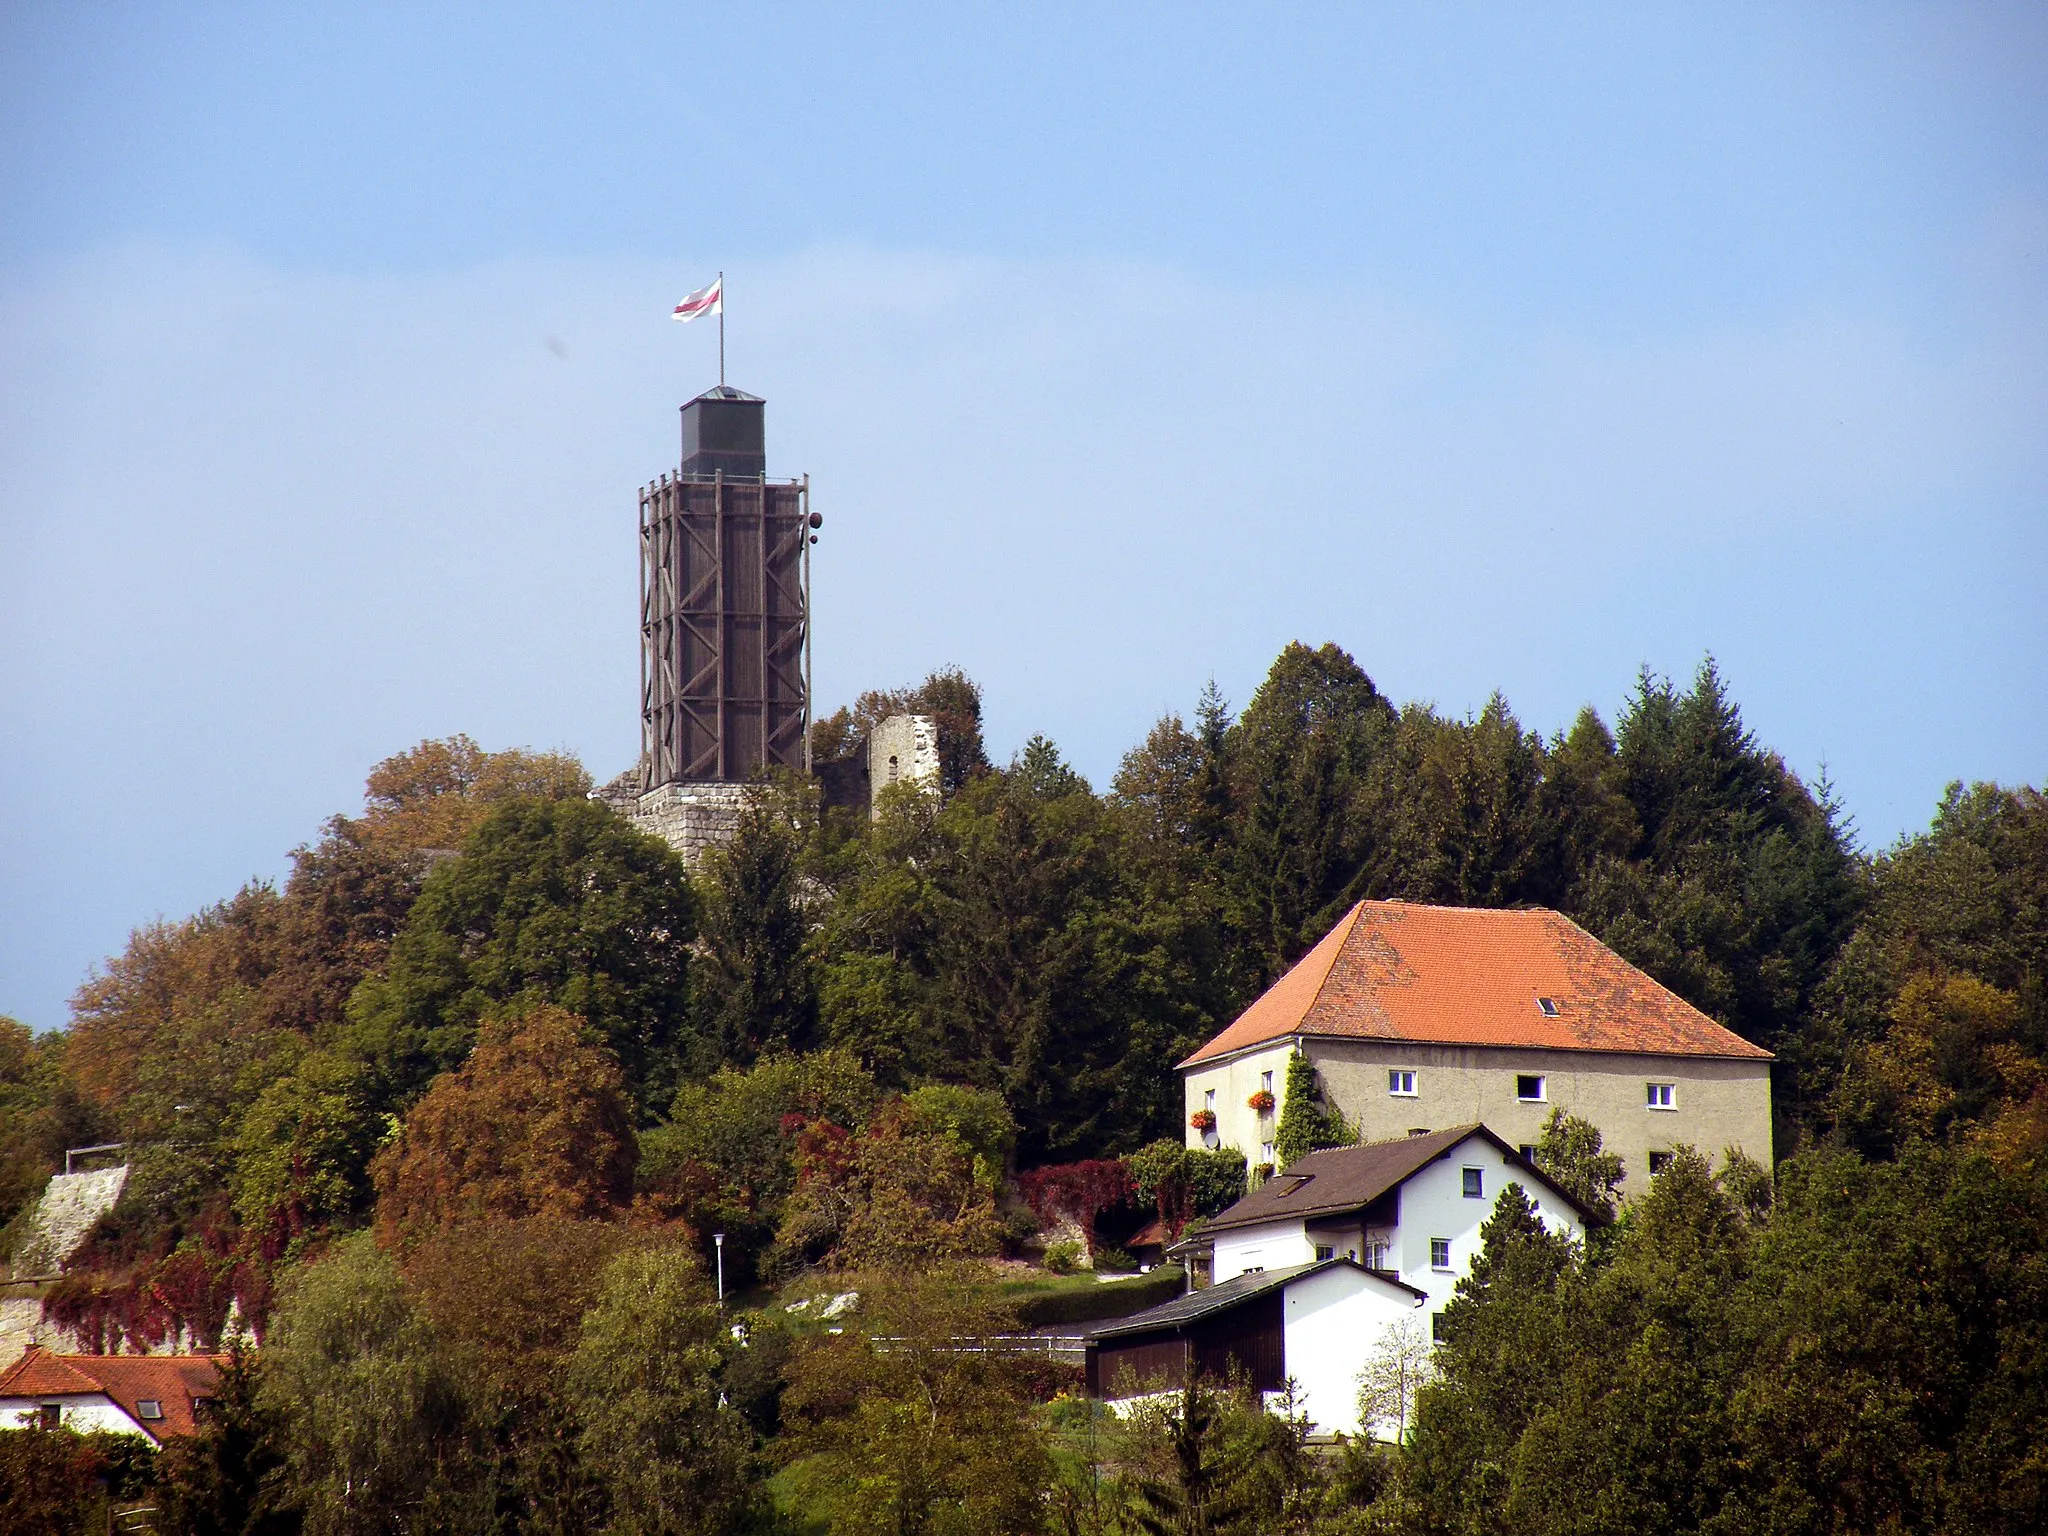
1080, 1191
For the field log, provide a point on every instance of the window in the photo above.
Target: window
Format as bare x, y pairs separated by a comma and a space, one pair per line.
1528, 1151
1324, 1251
1548, 1007
1418, 1130
1436, 1327
1209, 1100
1376, 1253
1663, 1095
1296, 1184
1253, 1269
1266, 1153
148, 1408
1439, 1253
1659, 1161
50, 1415
1401, 1082
1265, 1082
1529, 1088
1475, 1184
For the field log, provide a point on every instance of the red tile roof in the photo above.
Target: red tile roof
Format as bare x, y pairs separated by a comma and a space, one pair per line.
172, 1381
1397, 970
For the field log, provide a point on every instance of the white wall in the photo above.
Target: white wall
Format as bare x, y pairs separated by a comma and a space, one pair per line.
1433, 1204
1272, 1245
1332, 1321
82, 1413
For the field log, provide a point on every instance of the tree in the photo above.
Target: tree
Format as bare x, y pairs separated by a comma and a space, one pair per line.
1400, 1365
1194, 1474
1305, 842
1569, 1151
536, 1122
908, 1434
671, 1457
230, 1479
377, 1434
552, 901
1306, 1123
759, 987
1182, 1182
916, 1189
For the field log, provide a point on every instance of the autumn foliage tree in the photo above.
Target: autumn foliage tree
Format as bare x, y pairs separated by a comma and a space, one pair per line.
535, 1122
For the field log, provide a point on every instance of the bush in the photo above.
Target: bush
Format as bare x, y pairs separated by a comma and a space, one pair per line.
1093, 1303
1115, 1261
1063, 1258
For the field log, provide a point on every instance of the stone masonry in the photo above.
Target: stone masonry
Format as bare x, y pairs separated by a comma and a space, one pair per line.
690, 818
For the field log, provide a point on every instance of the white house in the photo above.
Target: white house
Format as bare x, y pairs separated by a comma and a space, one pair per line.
1317, 1269
157, 1396
1312, 1323
1417, 1017
1409, 1209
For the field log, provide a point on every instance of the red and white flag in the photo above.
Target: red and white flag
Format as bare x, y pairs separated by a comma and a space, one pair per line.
705, 301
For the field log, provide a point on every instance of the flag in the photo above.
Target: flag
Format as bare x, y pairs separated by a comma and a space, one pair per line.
705, 301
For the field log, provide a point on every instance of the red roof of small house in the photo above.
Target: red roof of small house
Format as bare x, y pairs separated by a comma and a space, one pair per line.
1398, 970
173, 1382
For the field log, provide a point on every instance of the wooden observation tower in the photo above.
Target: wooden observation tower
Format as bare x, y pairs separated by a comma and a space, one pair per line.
725, 589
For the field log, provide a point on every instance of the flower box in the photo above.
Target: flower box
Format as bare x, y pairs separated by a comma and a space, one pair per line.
1262, 1101
1203, 1120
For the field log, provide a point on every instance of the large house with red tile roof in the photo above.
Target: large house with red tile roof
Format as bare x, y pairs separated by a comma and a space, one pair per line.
1418, 1018
157, 1396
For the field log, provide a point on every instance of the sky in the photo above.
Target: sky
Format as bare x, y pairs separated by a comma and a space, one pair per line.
1510, 348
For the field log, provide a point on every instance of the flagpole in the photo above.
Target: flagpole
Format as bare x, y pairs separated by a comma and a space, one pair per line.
721, 330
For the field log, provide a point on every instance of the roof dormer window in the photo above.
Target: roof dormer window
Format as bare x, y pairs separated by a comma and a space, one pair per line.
1549, 1007
148, 1408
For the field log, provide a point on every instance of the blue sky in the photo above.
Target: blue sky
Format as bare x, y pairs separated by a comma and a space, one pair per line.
1509, 348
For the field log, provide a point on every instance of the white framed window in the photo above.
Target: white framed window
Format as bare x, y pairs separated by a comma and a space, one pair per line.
1439, 1253
1662, 1095
1401, 1082
1548, 1007
1528, 1151
1474, 1183
1266, 1152
1659, 1161
1325, 1251
1265, 1082
1209, 1100
1529, 1087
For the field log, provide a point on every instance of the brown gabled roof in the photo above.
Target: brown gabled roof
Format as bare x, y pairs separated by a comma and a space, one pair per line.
171, 1381
1346, 1179
1398, 970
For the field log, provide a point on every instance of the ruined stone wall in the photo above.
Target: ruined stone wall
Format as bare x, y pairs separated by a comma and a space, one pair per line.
904, 749
690, 818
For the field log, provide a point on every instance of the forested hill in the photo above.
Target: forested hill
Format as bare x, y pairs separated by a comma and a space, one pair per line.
1036, 939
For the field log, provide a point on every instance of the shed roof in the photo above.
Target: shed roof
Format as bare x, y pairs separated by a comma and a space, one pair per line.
1345, 1179
173, 1382
1197, 1305
1400, 970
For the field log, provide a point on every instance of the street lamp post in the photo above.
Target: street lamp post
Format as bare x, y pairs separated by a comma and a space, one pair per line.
718, 1240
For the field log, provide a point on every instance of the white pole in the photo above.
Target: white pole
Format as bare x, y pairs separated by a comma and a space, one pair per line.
718, 1238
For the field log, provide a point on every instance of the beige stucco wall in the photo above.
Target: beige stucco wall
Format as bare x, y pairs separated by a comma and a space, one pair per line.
1234, 1082
1718, 1103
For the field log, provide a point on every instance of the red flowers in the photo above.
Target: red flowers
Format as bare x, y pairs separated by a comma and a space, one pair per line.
1203, 1120
1262, 1101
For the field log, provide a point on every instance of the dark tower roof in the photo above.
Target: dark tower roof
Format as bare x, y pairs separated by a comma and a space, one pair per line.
723, 432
